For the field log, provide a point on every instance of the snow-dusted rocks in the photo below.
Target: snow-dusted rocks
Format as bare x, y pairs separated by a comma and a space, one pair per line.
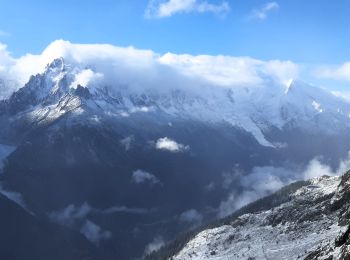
306, 227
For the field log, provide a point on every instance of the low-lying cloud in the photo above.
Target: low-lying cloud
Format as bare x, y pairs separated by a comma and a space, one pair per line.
13, 195
170, 145
191, 216
127, 142
94, 233
140, 176
73, 214
156, 244
262, 181
78, 217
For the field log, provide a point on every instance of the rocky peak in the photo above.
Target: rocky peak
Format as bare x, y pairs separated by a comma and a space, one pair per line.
56, 64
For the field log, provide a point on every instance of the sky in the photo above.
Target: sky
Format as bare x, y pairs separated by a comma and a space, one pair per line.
308, 33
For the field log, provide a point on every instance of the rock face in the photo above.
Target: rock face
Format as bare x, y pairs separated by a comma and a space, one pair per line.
312, 224
23, 236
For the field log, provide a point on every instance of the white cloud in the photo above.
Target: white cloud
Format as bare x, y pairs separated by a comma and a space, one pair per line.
127, 68
94, 233
156, 244
262, 181
140, 176
72, 214
8, 80
341, 72
170, 145
191, 215
228, 71
262, 13
86, 78
14, 196
162, 9
69, 215
316, 168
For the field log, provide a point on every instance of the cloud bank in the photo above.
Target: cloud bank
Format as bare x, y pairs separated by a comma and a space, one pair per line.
119, 68
162, 9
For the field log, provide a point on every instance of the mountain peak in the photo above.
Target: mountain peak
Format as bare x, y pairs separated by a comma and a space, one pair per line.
56, 64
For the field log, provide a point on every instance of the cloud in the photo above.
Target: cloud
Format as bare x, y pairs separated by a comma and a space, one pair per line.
69, 215
86, 78
170, 145
162, 9
5, 151
14, 196
94, 233
316, 168
228, 71
72, 214
140, 176
123, 209
128, 69
341, 72
8, 81
127, 142
262, 13
262, 181
190, 216
156, 244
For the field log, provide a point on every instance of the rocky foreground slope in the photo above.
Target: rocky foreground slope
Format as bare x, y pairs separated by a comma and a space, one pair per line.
307, 221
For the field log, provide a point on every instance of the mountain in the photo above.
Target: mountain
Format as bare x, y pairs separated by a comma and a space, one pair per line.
130, 167
256, 110
303, 221
24, 236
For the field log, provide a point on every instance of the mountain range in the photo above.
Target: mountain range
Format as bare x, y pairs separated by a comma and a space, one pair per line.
128, 169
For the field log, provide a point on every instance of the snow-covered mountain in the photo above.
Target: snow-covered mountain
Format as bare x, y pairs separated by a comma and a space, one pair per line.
133, 164
311, 222
59, 90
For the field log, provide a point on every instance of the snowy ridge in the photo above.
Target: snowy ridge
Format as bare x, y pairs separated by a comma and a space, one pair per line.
61, 90
306, 227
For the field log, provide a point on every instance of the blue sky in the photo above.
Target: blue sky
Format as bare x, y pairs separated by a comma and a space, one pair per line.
312, 31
